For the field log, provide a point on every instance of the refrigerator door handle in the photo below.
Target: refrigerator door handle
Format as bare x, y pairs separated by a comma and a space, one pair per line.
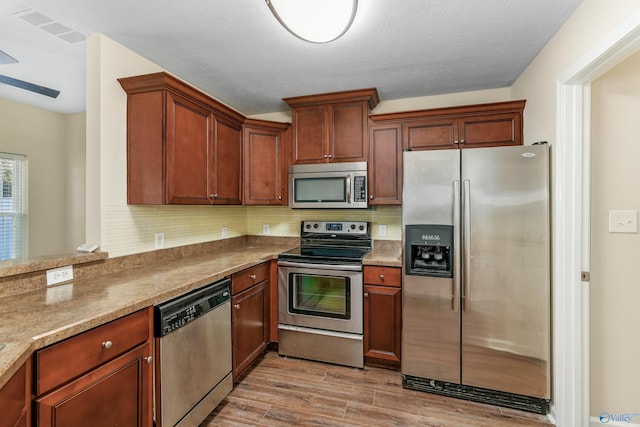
466, 236
456, 246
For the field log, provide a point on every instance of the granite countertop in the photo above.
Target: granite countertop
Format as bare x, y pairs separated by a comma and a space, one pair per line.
387, 253
35, 319
44, 316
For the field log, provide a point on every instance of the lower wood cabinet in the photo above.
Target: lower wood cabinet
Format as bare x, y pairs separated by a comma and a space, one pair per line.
15, 399
249, 315
103, 377
382, 315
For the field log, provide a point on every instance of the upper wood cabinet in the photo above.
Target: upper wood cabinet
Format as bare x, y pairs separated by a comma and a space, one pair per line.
331, 127
265, 162
481, 125
385, 164
183, 147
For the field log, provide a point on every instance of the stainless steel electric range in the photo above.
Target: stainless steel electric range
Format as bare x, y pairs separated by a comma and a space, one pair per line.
320, 293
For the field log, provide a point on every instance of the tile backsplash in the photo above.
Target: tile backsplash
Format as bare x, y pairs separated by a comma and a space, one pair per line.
131, 229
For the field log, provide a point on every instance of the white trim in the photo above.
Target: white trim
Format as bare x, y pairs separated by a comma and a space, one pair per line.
571, 189
568, 372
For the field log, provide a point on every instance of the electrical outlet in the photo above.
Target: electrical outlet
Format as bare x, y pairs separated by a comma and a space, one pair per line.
159, 241
623, 221
382, 230
59, 275
266, 230
225, 232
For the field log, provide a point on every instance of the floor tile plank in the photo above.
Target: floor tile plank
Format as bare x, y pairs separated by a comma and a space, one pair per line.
283, 391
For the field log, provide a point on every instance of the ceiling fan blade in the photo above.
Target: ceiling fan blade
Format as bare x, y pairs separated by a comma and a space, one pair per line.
5, 58
29, 86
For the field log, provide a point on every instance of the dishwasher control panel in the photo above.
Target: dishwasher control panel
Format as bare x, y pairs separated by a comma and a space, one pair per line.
179, 311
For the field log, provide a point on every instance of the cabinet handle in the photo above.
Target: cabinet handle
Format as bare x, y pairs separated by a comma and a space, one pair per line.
213, 196
253, 276
382, 277
148, 359
366, 294
371, 196
107, 345
237, 306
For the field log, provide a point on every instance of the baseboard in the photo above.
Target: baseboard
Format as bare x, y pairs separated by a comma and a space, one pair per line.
617, 420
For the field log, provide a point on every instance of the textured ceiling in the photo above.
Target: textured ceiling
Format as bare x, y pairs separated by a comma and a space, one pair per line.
236, 50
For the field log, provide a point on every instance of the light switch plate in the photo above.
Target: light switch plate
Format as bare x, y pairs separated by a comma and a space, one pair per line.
623, 221
266, 230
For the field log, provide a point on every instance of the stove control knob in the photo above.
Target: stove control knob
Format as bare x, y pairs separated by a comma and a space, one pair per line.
361, 227
353, 226
308, 226
315, 225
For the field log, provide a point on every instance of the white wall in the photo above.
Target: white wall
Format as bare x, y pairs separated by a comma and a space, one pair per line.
592, 22
54, 149
615, 178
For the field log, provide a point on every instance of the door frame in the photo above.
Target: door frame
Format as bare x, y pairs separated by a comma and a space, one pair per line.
571, 222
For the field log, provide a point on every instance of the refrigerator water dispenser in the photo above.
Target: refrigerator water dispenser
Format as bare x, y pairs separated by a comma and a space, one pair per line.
429, 250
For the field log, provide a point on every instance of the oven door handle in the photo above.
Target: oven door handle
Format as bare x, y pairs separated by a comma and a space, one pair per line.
340, 267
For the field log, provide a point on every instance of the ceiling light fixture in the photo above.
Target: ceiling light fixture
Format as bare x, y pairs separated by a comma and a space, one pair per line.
315, 21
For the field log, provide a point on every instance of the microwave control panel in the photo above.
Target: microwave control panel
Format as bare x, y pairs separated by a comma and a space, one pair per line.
360, 188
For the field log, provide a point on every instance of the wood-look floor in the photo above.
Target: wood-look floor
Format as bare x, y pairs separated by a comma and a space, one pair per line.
281, 391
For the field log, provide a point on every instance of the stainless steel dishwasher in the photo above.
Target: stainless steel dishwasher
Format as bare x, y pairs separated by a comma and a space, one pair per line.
193, 355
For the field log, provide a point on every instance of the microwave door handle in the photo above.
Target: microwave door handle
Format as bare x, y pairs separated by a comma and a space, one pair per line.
348, 189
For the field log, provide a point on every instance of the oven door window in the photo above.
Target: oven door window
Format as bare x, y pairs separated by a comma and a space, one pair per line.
324, 296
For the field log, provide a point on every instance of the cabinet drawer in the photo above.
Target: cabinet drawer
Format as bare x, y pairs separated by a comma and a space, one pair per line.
68, 359
246, 278
385, 276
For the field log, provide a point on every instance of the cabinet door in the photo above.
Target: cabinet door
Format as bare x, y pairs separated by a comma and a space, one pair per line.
431, 134
348, 137
226, 182
249, 322
264, 171
491, 130
116, 394
382, 322
14, 399
310, 127
385, 164
187, 149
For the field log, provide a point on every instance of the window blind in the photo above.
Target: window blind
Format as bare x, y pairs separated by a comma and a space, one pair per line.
13, 202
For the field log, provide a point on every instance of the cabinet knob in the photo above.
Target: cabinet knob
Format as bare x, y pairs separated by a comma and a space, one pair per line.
382, 277
366, 294
330, 156
253, 276
213, 196
279, 197
462, 141
107, 345
237, 306
148, 359
325, 156
371, 196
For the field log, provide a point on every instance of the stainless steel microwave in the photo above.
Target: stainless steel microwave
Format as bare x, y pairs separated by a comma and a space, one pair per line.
328, 186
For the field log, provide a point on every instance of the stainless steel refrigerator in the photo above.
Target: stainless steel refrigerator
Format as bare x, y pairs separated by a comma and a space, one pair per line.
476, 274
